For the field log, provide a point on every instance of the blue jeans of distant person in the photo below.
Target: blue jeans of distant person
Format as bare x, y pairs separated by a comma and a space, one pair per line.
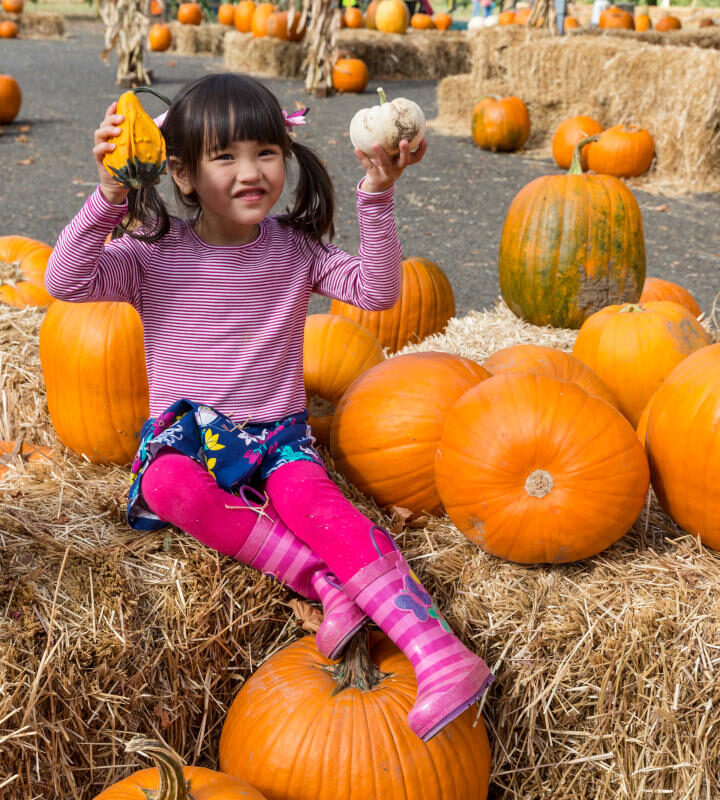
560, 8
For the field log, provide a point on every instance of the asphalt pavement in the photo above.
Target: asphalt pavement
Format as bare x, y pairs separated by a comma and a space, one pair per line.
450, 208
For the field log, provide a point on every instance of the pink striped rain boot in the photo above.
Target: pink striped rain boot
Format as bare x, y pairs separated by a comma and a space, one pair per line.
275, 550
450, 678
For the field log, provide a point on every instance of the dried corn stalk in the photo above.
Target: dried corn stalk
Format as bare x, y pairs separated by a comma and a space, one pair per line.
321, 35
126, 30
541, 14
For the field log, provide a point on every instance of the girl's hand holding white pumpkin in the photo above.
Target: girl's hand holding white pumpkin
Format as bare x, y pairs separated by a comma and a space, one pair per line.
382, 170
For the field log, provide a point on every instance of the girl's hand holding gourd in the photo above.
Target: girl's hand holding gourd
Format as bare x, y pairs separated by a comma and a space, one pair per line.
112, 191
383, 170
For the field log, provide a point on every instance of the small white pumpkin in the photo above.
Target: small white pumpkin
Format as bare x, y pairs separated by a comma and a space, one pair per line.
387, 125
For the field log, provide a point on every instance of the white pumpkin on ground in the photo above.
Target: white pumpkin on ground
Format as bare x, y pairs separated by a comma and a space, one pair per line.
387, 125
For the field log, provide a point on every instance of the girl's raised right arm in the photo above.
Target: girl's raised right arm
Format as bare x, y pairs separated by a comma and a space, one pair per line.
81, 268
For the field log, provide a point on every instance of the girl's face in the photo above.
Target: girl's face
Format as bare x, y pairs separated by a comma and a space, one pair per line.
236, 188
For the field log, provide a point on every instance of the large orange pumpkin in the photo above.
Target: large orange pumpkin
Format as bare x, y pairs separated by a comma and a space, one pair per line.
277, 26
370, 15
623, 150
659, 289
336, 350
535, 470
683, 444
615, 17
388, 423
344, 731
226, 14
10, 99
540, 360
170, 780
190, 13
258, 26
350, 75
570, 245
633, 348
567, 134
13, 6
8, 29
244, 11
93, 362
425, 306
668, 23
500, 124
160, 37
23, 263
392, 16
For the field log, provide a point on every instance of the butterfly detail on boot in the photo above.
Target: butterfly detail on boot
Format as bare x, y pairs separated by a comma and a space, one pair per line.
414, 598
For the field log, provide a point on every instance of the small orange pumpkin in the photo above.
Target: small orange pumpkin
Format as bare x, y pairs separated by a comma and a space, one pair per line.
616, 18
643, 22
23, 263
500, 123
8, 29
34, 454
623, 151
442, 21
353, 17
226, 14
156, 8
277, 25
244, 11
13, 6
350, 75
370, 15
190, 14
392, 16
258, 26
667, 24
522, 15
567, 134
706, 22
659, 289
507, 18
421, 22
571, 23
160, 37
10, 99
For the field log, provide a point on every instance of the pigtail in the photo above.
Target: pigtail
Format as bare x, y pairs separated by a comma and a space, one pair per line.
314, 207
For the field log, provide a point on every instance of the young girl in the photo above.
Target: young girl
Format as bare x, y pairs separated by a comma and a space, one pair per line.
223, 297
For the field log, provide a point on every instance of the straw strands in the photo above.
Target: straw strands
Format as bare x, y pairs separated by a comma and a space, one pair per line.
607, 669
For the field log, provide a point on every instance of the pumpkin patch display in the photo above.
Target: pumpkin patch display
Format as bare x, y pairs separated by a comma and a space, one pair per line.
139, 156
10, 99
407, 399
170, 780
633, 348
567, 134
683, 444
244, 11
93, 363
500, 124
392, 16
160, 37
189, 14
570, 245
561, 476
345, 725
659, 289
388, 124
623, 150
336, 350
425, 306
23, 263
350, 75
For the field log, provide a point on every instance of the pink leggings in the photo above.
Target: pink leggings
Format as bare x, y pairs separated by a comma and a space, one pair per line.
182, 492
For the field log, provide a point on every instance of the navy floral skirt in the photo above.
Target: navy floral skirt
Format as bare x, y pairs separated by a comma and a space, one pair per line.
234, 454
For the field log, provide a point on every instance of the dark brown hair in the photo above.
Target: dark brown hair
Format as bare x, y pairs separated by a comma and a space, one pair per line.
210, 113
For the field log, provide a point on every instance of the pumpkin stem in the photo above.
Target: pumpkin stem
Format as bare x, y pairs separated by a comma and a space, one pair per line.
355, 669
539, 483
630, 308
383, 96
169, 764
576, 165
152, 91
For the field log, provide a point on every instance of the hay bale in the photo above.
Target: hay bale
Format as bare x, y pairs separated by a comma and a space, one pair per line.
708, 38
189, 40
37, 24
674, 92
265, 56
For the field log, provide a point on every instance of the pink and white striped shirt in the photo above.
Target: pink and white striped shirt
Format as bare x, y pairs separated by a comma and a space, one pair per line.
224, 325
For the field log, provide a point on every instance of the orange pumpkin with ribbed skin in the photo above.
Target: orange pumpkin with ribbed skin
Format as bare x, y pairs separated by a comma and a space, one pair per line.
506, 18
633, 348
244, 11
540, 360
421, 22
10, 99
641, 428
567, 134
659, 289
226, 14
336, 350
571, 23
29, 453
170, 780
570, 245
442, 21
425, 306
350, 75
278, 25
623, 150
392, 16
643, 22
93, 362
160, 37
388, 423
190, 13
8, 29
13, 6
616, 18
669, 23
23, 263
683, 444
500, 123
353, 17
345, 725
370, 15
536, 470
258, 26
